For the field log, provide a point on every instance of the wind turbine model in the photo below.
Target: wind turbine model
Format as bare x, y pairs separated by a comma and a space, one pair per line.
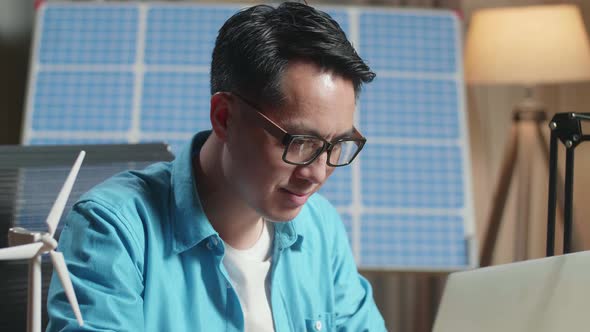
24, 244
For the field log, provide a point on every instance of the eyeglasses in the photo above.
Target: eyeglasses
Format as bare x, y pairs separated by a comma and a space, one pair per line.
304, 149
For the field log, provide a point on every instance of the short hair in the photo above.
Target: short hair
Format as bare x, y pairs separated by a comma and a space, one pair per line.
255, 45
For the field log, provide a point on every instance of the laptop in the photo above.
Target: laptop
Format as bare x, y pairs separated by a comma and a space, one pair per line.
541, 295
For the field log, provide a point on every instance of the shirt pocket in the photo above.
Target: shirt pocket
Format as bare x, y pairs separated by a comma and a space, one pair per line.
319, 322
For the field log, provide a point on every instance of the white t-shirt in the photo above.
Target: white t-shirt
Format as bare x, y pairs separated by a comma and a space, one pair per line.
248, 270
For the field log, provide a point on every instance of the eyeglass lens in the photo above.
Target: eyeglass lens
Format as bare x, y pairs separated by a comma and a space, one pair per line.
304, 149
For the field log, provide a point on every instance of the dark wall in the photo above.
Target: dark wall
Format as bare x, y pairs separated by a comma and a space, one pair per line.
16, 25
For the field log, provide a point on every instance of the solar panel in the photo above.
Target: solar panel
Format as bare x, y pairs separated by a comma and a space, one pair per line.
112, 72
414, 175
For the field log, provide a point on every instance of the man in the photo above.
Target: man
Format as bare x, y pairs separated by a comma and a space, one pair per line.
230, 236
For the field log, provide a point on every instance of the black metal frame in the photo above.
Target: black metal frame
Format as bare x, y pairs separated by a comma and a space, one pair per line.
567, 128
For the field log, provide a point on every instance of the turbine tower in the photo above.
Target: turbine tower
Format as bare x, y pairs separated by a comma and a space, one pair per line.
25, 244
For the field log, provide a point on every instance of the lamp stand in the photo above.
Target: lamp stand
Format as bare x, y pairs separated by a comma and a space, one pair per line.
567, 128
527, 115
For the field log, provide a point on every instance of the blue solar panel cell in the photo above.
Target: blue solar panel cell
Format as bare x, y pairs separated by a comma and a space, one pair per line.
89, 35
413, 240
407, 42
183, 35
411, 108
81, 101
339, 189
342, 17
175, 102
412, 176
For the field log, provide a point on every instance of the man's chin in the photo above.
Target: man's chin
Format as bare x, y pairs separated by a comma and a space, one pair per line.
284, 215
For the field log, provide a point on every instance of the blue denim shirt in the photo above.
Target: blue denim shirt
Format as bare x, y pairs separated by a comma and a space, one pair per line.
143, 256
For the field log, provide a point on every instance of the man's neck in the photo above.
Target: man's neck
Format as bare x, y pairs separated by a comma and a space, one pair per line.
237, 223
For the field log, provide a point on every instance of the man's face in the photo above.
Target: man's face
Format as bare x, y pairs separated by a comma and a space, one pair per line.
317, 103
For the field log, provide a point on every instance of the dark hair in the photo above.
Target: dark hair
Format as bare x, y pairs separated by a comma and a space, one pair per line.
255, 45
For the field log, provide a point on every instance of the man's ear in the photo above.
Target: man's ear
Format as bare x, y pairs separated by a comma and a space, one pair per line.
220, 115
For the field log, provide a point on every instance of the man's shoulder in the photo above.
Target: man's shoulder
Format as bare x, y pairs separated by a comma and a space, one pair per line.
130, 187
319, 213
317, 203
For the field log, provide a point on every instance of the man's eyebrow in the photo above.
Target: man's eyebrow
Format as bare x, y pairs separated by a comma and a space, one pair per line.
348, 133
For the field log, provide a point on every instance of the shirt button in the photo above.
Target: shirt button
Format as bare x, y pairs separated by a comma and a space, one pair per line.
214, 241
318, 325
209, 245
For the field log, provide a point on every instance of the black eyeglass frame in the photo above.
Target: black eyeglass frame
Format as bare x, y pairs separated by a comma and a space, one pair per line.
286, 139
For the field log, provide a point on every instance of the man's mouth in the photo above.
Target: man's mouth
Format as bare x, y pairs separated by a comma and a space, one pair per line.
296, 197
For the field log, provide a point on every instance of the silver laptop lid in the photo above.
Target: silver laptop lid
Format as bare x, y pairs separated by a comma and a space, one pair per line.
542, 295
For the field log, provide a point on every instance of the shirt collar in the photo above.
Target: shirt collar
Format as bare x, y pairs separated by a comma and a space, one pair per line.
190, 225
286, 234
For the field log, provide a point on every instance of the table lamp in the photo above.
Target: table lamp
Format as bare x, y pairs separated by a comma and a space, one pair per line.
523, 46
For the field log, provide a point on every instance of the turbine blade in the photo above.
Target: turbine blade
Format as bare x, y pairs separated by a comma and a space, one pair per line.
60, 203
59, 264
24, 251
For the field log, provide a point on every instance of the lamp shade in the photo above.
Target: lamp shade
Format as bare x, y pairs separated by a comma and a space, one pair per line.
527, 45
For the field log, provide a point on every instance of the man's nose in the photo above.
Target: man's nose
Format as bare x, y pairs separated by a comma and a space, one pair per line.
317, 171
